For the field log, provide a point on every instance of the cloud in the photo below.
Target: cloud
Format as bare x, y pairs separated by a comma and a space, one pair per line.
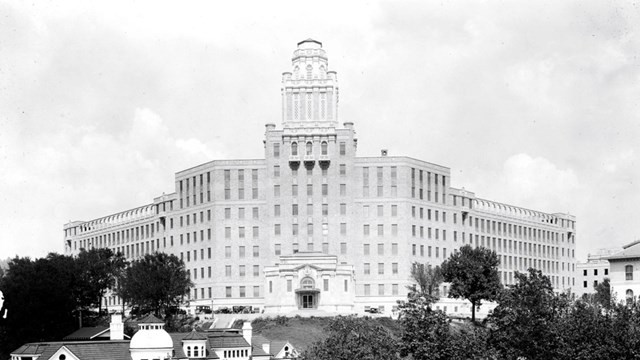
82, 174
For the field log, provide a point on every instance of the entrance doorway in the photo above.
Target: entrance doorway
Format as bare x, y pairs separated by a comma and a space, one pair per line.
308, 301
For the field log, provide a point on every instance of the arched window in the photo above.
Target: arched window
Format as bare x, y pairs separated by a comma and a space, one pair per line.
294, 148
324, 148
309, 148
307, 283
309, 68
628, 270
195, 352
629, 296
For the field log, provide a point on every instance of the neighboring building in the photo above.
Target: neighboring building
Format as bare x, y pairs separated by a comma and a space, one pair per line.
151, 341
311, 225
624, 270
592, 272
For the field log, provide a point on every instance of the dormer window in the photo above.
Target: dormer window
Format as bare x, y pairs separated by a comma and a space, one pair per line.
188, 351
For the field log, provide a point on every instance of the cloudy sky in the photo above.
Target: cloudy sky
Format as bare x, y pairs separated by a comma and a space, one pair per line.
535, 104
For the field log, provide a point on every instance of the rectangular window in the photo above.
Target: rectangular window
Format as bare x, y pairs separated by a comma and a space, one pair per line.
366, 249
227, 270
276, 171
243, 291
343, 248
228, 291
256, 251
381, 249
325, 284
241, 270
380, 268
394, 268
380, 289
367, 268
277, 249
227, 252
367, 289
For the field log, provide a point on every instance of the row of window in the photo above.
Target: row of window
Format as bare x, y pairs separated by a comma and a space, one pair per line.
323, 148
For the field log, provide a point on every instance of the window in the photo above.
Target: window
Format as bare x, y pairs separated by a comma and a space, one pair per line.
629, 296
367, 268
343, 148
323, 146
595, 272
366, 249
294, 149
309, 148
278, 250
380, 289
628, 272
380, 268
276, 150
343, 248
227, 270
256, 270
325, 284
241, 270
606, 272
228, 291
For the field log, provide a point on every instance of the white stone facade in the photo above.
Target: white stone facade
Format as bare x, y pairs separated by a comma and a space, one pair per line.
233, 221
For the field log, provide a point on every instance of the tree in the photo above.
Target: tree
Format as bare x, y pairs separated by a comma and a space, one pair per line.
525, 322
354, 338
155, 282
425, 334
99, 269
427, 279
602, 294
42, 298
473, 274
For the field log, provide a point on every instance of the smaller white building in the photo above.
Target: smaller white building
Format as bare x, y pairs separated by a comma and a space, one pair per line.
624, 270
309, 281
592, 272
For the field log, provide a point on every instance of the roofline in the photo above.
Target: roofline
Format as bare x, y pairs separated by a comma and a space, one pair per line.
310, 40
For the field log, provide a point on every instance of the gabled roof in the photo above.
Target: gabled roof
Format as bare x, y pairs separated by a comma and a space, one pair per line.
194, 335
227, 340
630, 251
89, 350
91, 333
86, 333
150, 319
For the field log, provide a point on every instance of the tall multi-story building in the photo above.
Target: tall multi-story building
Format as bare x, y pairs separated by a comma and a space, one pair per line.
311, 225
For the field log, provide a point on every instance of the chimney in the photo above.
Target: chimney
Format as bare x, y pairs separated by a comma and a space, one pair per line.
247, 331
384, 152
116, 327
266, 347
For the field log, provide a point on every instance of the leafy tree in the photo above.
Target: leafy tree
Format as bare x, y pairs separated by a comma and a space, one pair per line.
156, 282
427, 280
425, 334
602, 295
525, 322
99, 269
473, 274
42, 297
353, 338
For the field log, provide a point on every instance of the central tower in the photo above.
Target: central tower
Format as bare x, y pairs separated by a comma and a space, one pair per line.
310, 90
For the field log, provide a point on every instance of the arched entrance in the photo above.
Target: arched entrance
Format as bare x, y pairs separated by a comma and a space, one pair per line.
307, 296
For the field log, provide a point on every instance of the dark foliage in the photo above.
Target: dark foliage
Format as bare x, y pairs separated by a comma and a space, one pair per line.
473, 274
354, 338
156, 282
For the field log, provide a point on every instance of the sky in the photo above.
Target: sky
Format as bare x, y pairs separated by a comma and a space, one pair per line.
534, 104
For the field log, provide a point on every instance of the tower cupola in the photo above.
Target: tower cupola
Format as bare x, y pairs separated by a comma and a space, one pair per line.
310, 90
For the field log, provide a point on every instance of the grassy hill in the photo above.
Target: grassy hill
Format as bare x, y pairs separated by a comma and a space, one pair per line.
304, 331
